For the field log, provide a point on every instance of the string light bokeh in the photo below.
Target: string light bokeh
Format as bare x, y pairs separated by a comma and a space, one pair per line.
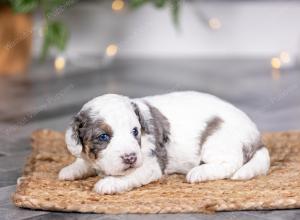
285, 57
275, 63
111, 50
117, 5
214, 23
59, 64
279, 62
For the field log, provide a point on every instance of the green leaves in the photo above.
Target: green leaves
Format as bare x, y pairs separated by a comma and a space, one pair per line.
50, 6
136, 3
56, 35
24, 6
173, 4
159, 3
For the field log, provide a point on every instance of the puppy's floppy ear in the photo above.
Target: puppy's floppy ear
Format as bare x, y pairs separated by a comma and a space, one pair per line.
141, 117
72, 136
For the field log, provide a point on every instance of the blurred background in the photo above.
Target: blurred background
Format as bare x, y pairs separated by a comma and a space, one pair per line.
56, 55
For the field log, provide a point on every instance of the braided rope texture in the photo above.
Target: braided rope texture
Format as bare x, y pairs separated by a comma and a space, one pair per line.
39, 187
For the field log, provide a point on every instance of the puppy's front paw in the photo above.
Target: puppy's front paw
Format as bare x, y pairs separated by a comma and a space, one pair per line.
67, 173
111, 185
197, 174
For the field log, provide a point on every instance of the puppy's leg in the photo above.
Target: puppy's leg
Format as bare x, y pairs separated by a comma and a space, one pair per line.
222, 157
211, 171
77, 170
148, 172
258, 165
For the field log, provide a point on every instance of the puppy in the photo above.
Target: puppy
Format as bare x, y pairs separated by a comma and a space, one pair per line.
133, 142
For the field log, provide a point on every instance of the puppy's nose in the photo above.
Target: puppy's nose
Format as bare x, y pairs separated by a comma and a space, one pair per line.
129, 158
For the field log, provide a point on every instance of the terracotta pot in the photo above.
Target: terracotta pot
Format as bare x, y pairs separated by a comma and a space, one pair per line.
15, 41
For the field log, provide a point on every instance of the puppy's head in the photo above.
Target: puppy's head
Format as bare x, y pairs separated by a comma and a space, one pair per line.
107, 133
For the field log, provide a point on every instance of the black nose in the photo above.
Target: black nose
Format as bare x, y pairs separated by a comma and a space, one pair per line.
129, 158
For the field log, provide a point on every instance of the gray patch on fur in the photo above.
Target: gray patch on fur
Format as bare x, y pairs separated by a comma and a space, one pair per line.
159, 127
250, 150
161, 132
86, 131
212, 126
201, 162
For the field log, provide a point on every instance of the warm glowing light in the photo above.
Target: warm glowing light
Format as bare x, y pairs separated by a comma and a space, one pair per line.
275, 63
285, 57
111, 50
117, 5
214, 23
59, 63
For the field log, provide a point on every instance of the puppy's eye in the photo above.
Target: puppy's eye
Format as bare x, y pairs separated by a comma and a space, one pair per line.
104, 137
135, 132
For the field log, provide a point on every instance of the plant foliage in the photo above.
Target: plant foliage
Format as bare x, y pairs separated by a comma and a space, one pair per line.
173, 4
56, 33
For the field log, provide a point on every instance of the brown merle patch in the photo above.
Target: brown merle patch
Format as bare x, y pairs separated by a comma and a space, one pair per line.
86, 132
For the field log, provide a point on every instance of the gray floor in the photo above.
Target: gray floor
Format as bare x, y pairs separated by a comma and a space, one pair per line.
46, 100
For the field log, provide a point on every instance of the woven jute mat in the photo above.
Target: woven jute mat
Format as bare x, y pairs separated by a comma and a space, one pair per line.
39, 187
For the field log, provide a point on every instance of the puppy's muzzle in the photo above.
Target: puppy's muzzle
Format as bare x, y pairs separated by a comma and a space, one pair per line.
129, 159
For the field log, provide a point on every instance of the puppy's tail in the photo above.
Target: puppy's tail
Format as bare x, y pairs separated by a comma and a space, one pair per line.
259, 164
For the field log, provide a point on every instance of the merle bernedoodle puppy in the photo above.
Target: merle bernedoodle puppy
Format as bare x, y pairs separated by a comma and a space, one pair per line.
132, 142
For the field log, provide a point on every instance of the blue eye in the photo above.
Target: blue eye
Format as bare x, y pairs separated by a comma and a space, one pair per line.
135, 132
104, 137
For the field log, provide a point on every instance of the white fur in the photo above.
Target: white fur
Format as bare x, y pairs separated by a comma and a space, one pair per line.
72, 145
148, 172
117, 112
258, 165
187, 113
77, 170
